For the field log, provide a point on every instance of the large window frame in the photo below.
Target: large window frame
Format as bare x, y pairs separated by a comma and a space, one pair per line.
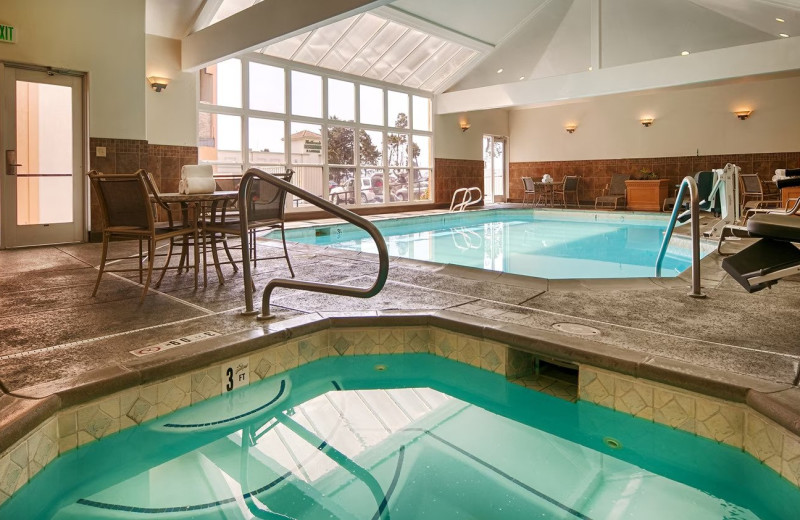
396, 141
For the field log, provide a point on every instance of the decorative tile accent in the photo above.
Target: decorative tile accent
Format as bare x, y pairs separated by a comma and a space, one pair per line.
720, 421
366, 341
417, 340
469, 351
445, 344
13, 470
174, 394
674, 409
285, 356
42, 446
262, 364
764, 441
342, 342
596, 387
392, 341
138, 407
312, 347
206, 384
633, 397
493, 357
790, 466
518, 363
98, 420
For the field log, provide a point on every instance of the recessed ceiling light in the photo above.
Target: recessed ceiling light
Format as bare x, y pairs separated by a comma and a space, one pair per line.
783, 35
590, 68
499, 71
521, 78
685, 53
780, 20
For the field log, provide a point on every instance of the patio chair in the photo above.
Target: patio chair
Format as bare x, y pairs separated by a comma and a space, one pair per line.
127, 211
529, 188
758, 194
569, 185
613, 191
265, 210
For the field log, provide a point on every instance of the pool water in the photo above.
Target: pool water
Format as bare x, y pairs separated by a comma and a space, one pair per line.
402, 437
545, 244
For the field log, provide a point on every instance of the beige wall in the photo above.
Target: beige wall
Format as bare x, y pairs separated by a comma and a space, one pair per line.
171, 113
452, 143
102, 37
688, 121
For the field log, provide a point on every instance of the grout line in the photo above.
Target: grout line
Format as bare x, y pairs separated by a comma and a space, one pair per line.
208, 312
78, 343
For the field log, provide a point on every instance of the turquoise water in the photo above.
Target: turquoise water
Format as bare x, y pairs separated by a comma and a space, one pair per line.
426, 438
532, 243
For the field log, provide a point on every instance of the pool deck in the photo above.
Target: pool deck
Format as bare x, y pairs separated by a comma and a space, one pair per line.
55, 337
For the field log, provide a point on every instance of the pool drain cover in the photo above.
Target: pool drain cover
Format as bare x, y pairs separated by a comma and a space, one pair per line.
612, 443
576, 328
380, 368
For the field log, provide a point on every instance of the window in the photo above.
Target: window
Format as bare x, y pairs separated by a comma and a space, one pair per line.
348, 142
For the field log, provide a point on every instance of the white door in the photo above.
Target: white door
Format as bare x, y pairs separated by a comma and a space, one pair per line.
494, 169
41, 133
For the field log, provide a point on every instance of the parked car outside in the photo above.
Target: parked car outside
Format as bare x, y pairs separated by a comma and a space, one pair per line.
344, 194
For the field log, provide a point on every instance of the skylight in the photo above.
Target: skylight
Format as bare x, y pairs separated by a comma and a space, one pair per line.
373, 47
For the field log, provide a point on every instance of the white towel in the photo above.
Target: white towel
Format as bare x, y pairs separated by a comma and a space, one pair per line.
779, 174
197, 170
197, 185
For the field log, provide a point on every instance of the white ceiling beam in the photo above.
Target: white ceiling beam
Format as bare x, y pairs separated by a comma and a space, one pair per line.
723, 64
421, 24
264, 23
203, 16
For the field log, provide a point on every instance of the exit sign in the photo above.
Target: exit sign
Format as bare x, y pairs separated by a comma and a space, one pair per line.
7, 34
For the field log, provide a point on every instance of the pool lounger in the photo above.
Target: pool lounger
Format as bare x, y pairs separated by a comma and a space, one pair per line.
771, 258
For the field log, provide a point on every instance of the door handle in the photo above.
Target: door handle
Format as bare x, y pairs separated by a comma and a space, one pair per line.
11, 162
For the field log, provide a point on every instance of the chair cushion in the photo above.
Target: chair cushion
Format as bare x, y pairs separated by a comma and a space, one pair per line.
776, 227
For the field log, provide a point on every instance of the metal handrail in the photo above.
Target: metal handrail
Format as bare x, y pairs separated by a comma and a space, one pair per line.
466, 199
694, 214
349, 216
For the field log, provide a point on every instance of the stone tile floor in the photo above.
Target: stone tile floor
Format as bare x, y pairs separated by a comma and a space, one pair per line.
51, 327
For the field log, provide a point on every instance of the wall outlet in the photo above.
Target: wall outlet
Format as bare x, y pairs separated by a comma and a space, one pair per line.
100, 151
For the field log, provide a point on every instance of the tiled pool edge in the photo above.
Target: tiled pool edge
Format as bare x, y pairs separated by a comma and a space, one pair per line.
758, 417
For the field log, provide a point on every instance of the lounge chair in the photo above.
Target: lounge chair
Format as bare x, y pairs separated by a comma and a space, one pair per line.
757, 194
127, 211
613, 191
529, 188
569, 185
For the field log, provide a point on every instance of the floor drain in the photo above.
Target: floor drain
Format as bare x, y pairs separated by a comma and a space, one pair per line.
614, 444
576, 328
380, 368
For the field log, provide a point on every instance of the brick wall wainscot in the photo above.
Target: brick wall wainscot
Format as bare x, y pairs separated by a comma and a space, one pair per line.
596, 174
451, 174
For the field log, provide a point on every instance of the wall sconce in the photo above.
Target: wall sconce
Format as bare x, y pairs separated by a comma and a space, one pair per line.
158, 84
743, 114
464, 125
646, 121
570, 128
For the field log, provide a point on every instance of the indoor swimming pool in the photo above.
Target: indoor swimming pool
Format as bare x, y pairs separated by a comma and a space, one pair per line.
410, 436
545, 244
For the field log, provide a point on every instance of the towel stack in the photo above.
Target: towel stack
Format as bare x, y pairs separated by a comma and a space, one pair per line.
197, 178
784, 173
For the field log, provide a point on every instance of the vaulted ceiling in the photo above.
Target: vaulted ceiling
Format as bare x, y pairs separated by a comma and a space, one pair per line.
457, 46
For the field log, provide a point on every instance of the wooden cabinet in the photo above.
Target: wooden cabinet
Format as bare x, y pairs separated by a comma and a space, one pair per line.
646, 195
789, 194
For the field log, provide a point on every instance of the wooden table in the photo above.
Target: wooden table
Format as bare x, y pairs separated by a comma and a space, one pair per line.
646, 195
546, 191
789, 195
201, 203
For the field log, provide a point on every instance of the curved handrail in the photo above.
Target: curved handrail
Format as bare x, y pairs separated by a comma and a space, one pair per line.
466, 199
694, 214
349, 216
